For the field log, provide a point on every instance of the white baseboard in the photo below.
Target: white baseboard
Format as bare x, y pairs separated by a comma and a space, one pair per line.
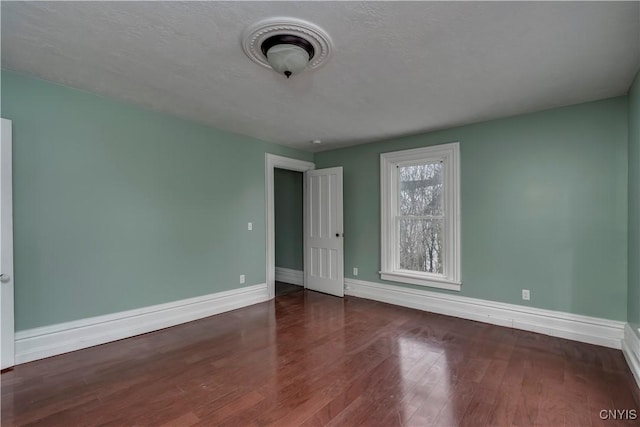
592, 330
631, 351
287, 275
38, 343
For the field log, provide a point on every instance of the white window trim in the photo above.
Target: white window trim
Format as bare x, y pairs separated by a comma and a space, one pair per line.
450, 155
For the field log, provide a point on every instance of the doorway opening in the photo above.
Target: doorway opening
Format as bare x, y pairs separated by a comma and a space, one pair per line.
289, 231
273, 162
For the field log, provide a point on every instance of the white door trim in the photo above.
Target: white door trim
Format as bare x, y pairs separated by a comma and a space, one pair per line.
7, 343
271, 162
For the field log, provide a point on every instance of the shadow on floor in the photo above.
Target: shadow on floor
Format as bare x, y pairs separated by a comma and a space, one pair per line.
287, 288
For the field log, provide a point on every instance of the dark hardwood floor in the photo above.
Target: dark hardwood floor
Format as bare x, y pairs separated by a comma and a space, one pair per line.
287, 288
310, 359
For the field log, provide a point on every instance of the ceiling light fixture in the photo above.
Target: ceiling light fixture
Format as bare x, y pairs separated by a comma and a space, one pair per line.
287, 45
287, 54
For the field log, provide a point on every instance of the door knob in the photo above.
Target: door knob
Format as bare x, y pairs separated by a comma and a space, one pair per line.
4, 278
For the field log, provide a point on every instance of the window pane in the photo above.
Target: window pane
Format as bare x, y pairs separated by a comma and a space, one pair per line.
421, 189
421, 247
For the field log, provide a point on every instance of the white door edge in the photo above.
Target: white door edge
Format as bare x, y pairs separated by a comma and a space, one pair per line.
7, 339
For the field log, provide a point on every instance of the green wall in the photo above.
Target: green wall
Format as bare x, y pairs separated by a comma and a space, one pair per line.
634, 203
117, 207
544, 207
288, 219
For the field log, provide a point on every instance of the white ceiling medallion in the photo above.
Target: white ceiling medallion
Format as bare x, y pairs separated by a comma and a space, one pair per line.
287, 45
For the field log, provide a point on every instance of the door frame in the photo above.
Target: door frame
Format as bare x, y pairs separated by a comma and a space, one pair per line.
273, 161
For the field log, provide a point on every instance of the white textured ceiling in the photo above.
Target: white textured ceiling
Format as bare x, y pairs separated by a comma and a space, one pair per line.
398, 68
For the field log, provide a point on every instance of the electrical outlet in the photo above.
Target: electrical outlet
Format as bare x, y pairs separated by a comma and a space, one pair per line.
250, 226
241, 278
525, 294
355, 271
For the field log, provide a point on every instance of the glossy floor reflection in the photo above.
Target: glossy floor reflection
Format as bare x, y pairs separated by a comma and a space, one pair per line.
311, 359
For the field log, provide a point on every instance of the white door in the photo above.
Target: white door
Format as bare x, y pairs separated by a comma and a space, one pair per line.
6, 250
324, 263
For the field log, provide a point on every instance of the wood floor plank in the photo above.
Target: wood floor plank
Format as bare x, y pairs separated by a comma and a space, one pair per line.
315, 360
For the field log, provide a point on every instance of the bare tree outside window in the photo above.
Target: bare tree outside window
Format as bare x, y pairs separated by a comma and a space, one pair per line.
421, 216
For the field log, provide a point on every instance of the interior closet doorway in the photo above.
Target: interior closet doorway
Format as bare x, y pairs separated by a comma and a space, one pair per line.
273, 162
289, 231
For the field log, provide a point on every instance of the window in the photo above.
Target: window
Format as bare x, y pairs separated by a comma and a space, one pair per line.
420, 212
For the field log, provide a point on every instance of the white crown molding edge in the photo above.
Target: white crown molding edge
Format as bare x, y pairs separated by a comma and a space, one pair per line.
287, 275
47, 341
592, 330
631, 351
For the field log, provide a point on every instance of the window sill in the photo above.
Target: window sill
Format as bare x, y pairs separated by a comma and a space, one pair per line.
420, 280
